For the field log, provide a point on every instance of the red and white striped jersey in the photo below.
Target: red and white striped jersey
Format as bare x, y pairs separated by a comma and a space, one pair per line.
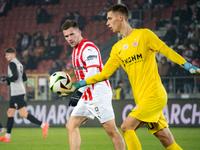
87, 61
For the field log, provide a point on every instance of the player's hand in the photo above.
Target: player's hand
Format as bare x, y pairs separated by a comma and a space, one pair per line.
74, 88
192, 69
63, 95
3, 79
75, 98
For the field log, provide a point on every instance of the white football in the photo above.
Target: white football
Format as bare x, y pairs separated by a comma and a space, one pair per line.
59, 82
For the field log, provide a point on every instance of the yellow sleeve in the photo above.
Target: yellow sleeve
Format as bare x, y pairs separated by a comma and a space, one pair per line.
152, 40
155, 44
110, 67
172, 55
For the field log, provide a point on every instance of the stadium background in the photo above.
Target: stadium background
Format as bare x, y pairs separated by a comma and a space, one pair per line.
183, 109
178, 113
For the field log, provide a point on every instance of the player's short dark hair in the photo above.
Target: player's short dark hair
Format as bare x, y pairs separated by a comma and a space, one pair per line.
10, 50
121, 8
68, 24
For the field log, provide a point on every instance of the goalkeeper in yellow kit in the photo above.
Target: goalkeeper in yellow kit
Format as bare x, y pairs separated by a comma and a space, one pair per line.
136, 54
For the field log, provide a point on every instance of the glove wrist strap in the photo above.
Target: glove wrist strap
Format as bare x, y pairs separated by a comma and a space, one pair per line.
187, 65
82, 83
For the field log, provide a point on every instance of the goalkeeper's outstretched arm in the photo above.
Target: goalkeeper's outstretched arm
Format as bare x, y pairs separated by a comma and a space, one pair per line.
175, 57
110, 67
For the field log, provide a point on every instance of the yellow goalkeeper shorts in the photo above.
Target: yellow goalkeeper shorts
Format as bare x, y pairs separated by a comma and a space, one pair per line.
149, 111
154, 127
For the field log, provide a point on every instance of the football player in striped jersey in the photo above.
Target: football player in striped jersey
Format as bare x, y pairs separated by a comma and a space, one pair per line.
93, 100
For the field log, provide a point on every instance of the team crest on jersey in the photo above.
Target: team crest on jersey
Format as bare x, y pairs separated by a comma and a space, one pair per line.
135, 44
125, 47
136, 107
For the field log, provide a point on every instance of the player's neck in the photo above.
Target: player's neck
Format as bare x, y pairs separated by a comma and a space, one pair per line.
80, 39
10, 60
126, 30
13, 57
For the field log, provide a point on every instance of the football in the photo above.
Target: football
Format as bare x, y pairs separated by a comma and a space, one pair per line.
60, 82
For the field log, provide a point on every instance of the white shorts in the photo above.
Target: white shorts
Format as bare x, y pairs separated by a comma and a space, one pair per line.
100, 107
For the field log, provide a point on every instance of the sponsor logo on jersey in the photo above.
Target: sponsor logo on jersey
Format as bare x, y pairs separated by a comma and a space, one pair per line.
132, 59
126, 47
135, 44
92, 57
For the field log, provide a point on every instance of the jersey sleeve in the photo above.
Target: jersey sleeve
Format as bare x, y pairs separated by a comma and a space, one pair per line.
13, 69
91, 60
24, 77
91, 57
155, 44
110, 67
172, 55
152, 40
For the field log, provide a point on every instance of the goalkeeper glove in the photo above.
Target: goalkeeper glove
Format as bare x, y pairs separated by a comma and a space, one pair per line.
63, 94
192, 69
3, 79
74, 88
75, 98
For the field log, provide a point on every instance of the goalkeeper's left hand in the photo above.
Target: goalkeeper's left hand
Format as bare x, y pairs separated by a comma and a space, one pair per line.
192, 69
74, 98
74, 88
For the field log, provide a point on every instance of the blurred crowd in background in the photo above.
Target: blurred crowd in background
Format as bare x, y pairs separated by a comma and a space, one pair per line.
182, 35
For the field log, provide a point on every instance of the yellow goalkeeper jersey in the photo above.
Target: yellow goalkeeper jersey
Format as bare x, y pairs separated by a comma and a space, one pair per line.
136, 54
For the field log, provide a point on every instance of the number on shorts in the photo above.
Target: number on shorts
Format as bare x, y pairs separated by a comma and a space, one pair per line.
150, 126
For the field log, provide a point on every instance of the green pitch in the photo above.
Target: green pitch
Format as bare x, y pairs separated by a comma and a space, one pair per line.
93, 139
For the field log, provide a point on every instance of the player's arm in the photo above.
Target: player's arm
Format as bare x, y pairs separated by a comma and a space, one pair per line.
175, 57
154, 43
91, 58
172, 55
14, 76
109, 68
75, 97
24, 77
